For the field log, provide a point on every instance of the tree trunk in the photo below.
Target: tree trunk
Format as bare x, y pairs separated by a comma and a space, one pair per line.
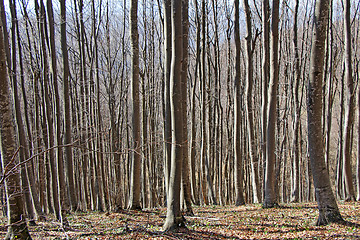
27, 175
135, 184
67, 111
340, 160
295, 180
349, 116
239, 168
174, 219
270, 199
265, 71
358, 150
36, 121
330, 56
60, 163
194, 186
48, 107
184, 142
167, 68
203, 108
328, 209
254, 161
16, 222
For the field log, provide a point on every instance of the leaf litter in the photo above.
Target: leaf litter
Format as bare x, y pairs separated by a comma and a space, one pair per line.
291, 221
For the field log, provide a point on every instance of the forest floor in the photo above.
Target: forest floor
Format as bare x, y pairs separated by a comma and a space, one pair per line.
292, 221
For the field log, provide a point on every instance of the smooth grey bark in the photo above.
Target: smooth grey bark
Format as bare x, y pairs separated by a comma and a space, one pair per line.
295, 179
229, 107
184, 91
145, 104
135, 184
101, 201
27, 176
358, 150
67, 111
265, 65
29, 166
17, 228
254, 161
167, 69
35, 141
350, 110
85, 108
328, 209
238, 164
112, 104
202, 67
174, 218
206, 183
340, 163
194, 185
216, 113
64, 205
40, 11
204, 198
270, 196
210, 169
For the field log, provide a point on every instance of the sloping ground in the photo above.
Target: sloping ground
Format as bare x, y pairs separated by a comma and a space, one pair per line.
293, 221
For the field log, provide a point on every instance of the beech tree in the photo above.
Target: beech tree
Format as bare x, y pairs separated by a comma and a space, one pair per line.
134, 202
166, 95
174, 218
48, 106
75, 82
270, 198
32, 205
349, 116
58, 141
17, 228
297, 108
239, 169
254, 161
66, 107
184, 142
265, 70
328, 209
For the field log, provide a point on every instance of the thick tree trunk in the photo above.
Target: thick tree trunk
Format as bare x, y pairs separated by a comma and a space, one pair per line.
167, 69
101, 204
328, 209
239, 168
64, 202
270, 198
84, 106
29, 141
254, 161
17, 228
135, 184
184, 142
40, 10
67, 111
174, 219
27, 176
36, 124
